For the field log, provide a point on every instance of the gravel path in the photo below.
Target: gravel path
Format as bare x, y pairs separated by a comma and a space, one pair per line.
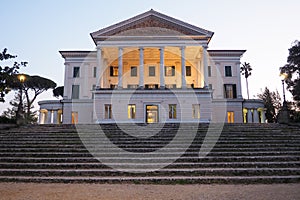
33, 191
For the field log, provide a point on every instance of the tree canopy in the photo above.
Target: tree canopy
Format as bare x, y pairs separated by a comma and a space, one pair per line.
272, 102
6, 73
292, 69
58, 92
246, 71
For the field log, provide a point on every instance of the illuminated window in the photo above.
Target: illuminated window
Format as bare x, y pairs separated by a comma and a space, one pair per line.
107, 111
76, 71
228, 71
169, 70
188, 71
74, 117
172, 111
196, 111
151, 71
230, 117
131, 111
133, 71
170, 86
113, 71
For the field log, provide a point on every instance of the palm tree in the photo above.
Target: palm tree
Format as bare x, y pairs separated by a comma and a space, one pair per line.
246, 71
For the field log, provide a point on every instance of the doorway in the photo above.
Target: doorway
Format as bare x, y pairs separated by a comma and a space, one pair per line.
152, 114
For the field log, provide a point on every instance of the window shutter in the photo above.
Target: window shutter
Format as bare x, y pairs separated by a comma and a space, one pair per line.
234, 90
111, 70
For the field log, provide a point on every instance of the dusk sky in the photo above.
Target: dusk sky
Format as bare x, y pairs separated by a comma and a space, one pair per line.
36, 30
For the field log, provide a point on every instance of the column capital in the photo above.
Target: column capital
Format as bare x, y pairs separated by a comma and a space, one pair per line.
161, 48
120, 48
141, 48
182, 47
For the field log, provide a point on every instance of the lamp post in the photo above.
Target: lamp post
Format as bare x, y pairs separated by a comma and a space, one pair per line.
283, 77
19, 114
283, 116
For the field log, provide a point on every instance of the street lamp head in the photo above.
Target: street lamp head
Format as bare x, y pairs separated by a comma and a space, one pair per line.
22, 78
283, 76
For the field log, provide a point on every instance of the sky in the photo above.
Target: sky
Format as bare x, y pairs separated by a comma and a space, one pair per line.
36, 30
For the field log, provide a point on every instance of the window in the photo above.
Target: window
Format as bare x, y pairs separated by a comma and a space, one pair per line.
74, 116
93, 88
169, 70
132, 86
209, 71
95, 72
196, 111
151, 86
170, 86
210, 86
131, 111
76, 71
113, 71
229, 91
172, 111
188, 71
151, 70
133, 71
230, 117
75, 92
228, 71
113, 86
107, 111
190, 85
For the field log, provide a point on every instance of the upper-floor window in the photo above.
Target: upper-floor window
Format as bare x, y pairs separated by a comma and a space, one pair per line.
133, 71
169, 70
76, 72
75, 91
151, 70
229, 91
209, 71
228, 71
188, 71
113, 71
95, 72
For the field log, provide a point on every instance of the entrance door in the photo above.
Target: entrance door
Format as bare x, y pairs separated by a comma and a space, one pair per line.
152, 114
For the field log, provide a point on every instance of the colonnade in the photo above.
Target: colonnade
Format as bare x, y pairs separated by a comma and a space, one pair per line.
101, 68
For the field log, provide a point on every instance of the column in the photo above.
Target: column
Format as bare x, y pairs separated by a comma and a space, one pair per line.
183, 81
205, 72
161, 68
249, 116
55, 117
141, 69
263, 116
238, 85
255, 116
49, 115
99, 68
120, 68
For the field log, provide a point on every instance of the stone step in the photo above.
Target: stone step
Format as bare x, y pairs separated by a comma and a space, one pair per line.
156, 179
92, 165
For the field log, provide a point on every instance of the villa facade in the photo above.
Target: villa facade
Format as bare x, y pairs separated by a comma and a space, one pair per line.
152, 68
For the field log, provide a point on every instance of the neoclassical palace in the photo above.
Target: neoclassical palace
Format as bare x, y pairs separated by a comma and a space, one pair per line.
152, 68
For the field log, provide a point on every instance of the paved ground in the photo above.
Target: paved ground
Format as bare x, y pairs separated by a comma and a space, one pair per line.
18, 191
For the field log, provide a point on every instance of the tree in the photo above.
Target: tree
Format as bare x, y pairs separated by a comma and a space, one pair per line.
6, 73
292, 69
272, 102
32, 87
58, 92
246, 71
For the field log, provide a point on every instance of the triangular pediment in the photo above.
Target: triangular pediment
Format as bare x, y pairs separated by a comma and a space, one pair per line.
151, 23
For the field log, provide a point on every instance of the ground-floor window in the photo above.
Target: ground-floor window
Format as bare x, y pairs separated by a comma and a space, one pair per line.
74, 116
131, 111
108, 111
230, 117
172, 111
196, 111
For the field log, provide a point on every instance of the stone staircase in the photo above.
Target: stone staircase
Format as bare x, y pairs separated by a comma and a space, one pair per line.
155, 153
